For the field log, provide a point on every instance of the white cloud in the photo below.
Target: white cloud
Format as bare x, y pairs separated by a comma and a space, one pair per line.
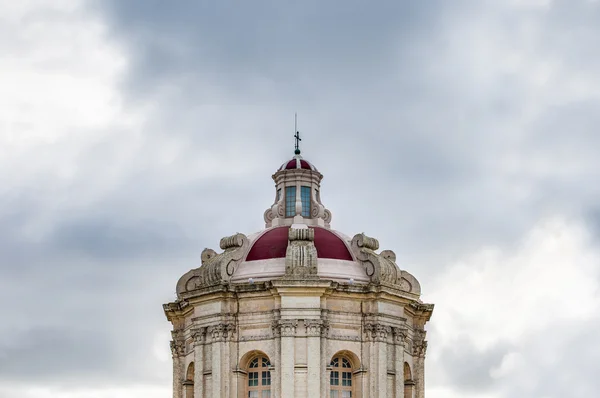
523, 297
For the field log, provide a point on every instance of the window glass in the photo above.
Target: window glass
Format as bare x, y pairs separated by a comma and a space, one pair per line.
278, 194
290, 201
305, 196
252, 379
335, 378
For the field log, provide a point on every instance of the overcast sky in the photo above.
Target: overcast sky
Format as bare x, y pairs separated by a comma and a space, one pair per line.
463, 135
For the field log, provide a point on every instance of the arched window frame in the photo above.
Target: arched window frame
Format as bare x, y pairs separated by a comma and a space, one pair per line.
408, 381
188, 383
342, 381
259, 378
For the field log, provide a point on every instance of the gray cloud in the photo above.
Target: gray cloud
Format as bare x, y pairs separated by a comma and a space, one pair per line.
440, 127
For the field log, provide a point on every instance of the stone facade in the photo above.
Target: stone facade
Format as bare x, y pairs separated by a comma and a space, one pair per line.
359, 308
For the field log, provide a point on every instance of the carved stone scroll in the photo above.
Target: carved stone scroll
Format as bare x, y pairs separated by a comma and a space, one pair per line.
379, 267
216, 268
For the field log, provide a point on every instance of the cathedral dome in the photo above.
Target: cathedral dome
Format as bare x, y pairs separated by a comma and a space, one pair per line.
273, 243
268, 249
297, 163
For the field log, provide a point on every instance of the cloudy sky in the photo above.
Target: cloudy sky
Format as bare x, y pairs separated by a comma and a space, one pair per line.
463, 135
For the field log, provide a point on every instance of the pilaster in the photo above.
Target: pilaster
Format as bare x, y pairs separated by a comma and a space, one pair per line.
178, 353
419, 351
199, 339
313, 347
221, 336
377, 335
399, 336
287, 331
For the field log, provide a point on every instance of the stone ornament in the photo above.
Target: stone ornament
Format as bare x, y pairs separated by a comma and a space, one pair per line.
301, 254
382, 268
216, 268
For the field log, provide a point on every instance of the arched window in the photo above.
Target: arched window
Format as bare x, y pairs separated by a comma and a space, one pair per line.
259, 378
189, 381
340, 379
408, 381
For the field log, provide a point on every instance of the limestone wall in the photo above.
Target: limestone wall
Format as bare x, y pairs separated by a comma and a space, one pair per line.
300, 326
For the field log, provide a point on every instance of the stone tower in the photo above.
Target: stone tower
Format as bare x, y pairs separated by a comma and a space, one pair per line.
298, 310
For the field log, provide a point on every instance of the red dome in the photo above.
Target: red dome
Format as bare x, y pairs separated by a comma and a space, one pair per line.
297, 163
273, 244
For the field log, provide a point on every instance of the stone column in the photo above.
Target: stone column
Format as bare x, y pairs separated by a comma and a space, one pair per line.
399, 341
178, 352
288, 332
313, 356
199, 337
419, 350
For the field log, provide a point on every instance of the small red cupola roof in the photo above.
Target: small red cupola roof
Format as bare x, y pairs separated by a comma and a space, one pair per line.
297, 163
273, 244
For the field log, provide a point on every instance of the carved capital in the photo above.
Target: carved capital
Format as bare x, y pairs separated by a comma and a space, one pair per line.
285, 327
313, 327
177, 348
199, 335
377, 332
419, 347
221, 332
400, 335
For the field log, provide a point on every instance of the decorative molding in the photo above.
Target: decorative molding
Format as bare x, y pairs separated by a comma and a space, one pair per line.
256, 337
343, 337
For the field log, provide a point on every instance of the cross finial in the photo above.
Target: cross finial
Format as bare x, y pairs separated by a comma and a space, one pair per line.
297, 134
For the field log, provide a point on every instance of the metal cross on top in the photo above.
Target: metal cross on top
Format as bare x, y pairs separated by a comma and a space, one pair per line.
297, 135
